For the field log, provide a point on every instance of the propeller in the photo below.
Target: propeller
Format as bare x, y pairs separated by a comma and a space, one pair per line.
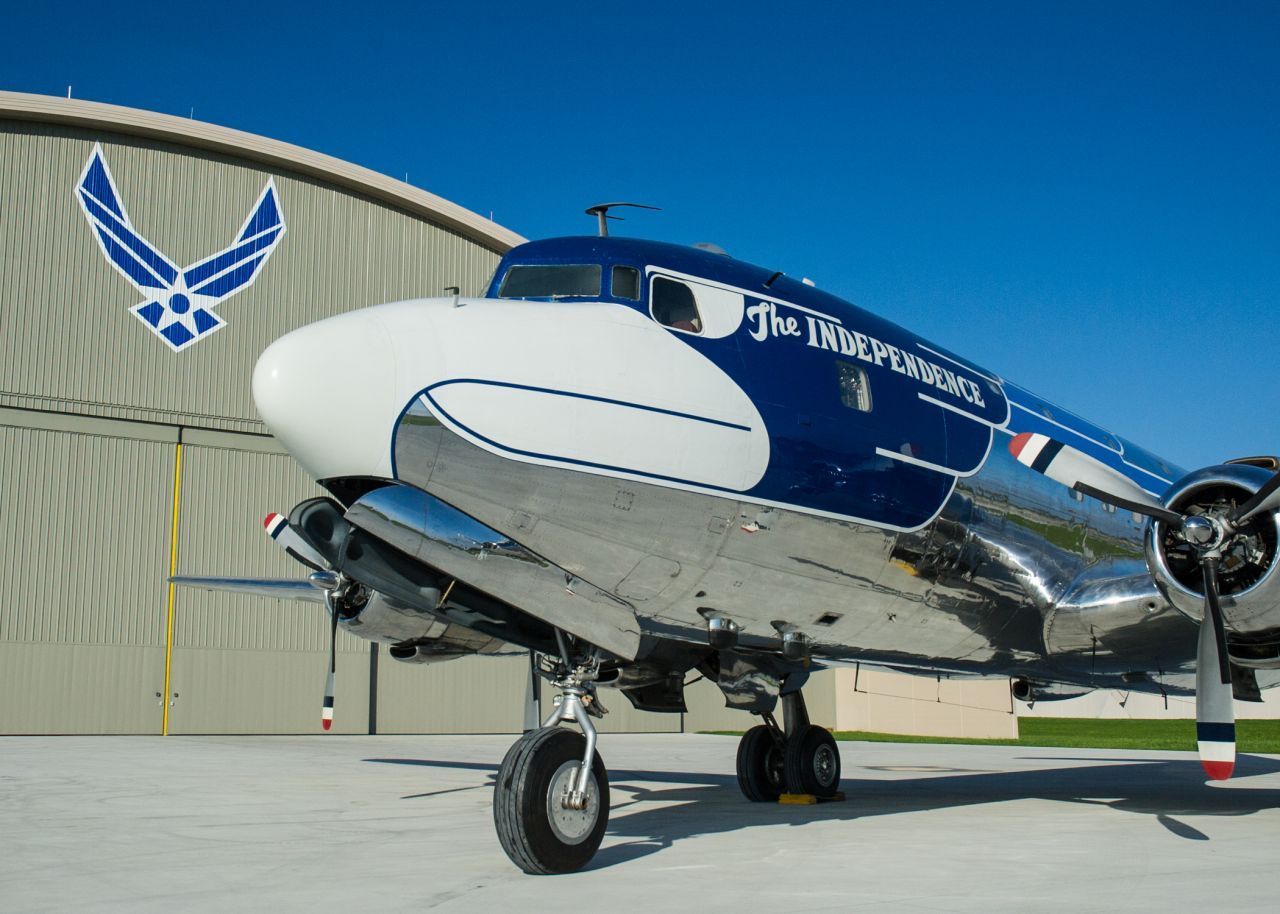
1207, 535
326, 709
287, 538
278, 528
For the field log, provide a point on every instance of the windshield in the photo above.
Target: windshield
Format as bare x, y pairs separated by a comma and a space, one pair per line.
558, 281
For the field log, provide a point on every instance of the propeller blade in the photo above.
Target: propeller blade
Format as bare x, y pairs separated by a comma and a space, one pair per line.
288, 539
1215, 708
326, 709
1261, 500
1160, 514
1213, 615
1077, 470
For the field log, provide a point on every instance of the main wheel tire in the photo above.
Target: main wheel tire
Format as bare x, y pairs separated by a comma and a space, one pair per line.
538, 833
760, 766
813, 763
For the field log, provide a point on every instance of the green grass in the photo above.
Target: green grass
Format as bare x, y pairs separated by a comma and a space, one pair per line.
1077, 733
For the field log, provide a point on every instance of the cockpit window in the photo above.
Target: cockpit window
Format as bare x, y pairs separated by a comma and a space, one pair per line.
552, 281
626, 283
674, 306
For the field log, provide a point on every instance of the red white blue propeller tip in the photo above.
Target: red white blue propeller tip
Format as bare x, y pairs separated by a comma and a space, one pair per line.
274, 523
1217, 745
326, 709
1030, 448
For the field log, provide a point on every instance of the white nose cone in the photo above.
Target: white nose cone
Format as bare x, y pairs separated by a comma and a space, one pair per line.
328, 392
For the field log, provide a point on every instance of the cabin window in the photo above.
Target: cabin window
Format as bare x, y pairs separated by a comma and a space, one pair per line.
552, 281
854, 392
1076, 494
1108, 507
626, 283
673, 305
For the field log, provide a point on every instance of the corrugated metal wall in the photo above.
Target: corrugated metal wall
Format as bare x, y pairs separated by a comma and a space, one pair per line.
68, 341
87, 503
84, 529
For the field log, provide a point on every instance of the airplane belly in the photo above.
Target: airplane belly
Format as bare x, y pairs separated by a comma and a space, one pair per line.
858, 592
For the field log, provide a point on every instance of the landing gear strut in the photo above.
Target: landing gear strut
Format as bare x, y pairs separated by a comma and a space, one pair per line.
802, 759
551, 802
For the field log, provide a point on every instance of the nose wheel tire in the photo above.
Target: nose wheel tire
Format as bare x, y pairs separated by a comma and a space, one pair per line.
540, 832
761, 764
813, 763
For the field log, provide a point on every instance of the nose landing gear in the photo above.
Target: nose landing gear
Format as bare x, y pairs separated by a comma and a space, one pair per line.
551, 802
802, 759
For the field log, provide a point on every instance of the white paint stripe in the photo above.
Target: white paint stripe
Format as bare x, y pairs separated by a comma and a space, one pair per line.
1066, 428
955, 409
1216, 751
917, 462
1167, 482
968, 368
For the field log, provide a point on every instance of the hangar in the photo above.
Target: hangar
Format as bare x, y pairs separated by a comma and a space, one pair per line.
132, 451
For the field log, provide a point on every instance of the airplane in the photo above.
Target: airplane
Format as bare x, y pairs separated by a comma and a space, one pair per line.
642, 461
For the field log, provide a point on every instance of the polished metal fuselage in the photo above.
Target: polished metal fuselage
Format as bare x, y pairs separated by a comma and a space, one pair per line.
1015, 577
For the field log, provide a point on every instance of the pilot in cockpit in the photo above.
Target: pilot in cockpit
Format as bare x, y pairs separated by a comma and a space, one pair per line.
674, 306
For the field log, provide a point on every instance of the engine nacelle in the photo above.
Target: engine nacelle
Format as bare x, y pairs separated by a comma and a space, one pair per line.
414, 635
1030, 691
1247, 575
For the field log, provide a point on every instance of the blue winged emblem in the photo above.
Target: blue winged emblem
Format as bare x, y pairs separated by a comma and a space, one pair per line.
178, 304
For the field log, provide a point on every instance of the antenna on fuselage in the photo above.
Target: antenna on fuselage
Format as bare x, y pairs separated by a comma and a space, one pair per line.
601, 211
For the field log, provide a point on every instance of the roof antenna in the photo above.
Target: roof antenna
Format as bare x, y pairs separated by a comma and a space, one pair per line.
601, 211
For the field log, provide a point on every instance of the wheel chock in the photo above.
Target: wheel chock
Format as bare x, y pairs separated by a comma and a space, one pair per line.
797, 799
807, 799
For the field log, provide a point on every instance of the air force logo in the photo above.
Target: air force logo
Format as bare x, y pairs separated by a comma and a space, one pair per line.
179, 304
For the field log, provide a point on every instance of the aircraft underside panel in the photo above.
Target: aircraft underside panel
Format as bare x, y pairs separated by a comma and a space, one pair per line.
978, 590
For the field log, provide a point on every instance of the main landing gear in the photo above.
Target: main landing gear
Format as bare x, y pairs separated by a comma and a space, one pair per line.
801, 760
551, 802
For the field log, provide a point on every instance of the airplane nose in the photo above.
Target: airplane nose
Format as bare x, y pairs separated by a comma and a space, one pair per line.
327, 391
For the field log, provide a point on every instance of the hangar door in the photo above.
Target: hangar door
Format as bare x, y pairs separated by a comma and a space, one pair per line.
85, 525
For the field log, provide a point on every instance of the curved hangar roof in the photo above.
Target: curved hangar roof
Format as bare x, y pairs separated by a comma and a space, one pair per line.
150, 259
21, 106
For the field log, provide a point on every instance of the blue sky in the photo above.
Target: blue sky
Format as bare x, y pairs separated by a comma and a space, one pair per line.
1081, 196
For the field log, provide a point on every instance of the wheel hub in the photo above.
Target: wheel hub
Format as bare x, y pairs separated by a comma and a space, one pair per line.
572, 826
824, 765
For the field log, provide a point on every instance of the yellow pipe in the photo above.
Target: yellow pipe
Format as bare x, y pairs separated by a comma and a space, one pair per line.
173, 569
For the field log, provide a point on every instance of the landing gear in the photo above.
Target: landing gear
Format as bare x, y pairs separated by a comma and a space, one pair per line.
803, 759
813, 763
551, 802
761, 765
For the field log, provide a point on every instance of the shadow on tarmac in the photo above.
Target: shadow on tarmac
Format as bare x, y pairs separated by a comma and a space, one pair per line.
704, 804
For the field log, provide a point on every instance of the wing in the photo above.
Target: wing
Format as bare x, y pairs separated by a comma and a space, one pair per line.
136, 258
236, 267
280, 588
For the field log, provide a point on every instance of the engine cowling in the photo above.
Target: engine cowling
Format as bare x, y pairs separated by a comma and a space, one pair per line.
1248, 577
414, 635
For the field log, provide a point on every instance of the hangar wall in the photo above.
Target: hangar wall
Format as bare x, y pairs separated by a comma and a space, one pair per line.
123, 459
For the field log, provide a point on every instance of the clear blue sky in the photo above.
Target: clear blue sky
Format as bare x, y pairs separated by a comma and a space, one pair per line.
1081, 196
